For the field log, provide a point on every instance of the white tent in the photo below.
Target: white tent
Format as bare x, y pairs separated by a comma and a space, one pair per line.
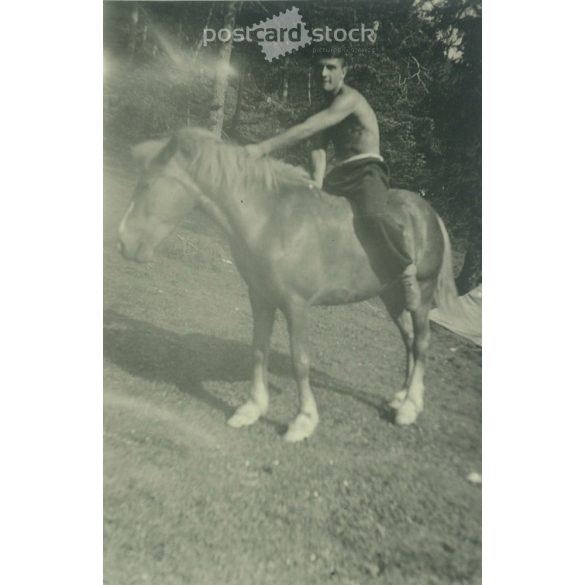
464, 318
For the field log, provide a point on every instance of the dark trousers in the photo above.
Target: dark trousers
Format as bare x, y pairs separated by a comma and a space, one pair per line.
379, 219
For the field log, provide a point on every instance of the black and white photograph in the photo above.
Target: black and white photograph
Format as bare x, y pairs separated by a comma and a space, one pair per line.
292, 292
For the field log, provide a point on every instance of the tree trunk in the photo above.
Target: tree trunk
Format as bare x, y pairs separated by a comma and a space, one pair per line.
470, 274
144, 36
217, 109
201, 38
236, 117
133, 32
285, 72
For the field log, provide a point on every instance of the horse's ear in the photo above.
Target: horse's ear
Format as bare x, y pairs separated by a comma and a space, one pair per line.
146, 152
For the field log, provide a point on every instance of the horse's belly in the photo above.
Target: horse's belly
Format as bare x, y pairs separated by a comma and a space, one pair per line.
323, 264
344, 273
345, 280
344, 296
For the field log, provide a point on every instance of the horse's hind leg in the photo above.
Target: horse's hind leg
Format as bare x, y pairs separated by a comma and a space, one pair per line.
403, 320
409, 403
306, 421
257, 405
412, 406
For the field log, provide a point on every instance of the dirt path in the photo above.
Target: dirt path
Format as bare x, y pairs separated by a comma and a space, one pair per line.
189, 500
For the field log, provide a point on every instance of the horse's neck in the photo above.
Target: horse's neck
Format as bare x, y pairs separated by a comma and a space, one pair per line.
216, 213
241, 214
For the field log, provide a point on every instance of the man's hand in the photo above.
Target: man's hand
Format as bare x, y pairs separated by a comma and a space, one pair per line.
254, 150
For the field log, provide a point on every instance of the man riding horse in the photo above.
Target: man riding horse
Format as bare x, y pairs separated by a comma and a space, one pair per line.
360, 173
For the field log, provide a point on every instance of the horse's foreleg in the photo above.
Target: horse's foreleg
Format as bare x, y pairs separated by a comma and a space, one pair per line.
257, 405
412, 405
306, 421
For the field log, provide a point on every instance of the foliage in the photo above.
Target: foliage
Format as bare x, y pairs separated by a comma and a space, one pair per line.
422, 76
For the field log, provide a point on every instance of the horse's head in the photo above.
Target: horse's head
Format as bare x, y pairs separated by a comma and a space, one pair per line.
163, 195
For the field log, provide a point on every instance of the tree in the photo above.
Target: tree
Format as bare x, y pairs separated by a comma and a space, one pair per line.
199, 43
470, 274
422, 76
222, 72
133, 30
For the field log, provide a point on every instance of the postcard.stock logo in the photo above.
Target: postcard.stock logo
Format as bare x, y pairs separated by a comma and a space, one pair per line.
286, 32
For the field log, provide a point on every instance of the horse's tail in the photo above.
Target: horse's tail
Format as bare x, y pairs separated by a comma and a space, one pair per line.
446, 292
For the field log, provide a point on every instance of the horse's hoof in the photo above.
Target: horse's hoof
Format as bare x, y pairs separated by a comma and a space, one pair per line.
245, 415
301, 428
398, 399
407, 413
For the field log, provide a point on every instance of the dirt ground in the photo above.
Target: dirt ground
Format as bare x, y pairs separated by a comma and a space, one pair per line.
188, 500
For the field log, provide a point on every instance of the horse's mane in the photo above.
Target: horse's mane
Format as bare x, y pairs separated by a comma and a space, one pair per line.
227, 167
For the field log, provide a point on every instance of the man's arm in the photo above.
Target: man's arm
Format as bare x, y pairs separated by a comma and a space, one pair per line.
319, 144
319, 160
341, 107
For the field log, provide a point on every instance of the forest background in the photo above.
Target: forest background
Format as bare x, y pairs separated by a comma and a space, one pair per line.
421, 74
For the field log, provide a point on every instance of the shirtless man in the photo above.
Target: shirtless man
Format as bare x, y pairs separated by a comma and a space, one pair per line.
360, 173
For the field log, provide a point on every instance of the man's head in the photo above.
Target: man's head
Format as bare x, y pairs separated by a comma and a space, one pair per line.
331, 68
331, 71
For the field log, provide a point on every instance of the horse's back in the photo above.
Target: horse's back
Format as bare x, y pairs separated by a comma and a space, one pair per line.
412, 203
331, 220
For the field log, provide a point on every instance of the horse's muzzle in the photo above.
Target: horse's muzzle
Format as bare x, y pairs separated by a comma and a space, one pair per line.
123, 249
138, 253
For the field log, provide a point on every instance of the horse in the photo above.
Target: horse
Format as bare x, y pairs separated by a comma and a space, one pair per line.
295, 247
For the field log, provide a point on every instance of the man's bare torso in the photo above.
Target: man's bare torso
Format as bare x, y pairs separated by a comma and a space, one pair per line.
356, 134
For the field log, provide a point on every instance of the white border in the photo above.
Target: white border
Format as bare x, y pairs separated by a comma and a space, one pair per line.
52, 293
533, 243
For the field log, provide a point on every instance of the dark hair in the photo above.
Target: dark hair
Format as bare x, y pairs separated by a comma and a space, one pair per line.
331, 52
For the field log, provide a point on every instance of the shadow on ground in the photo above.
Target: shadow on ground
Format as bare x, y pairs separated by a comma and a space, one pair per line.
186, 361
